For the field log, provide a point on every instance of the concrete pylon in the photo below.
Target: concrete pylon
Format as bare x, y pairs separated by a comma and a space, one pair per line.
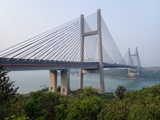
129, 60
82, 35
53, 81
65, 82
132, 72
81, 50
138, 61
101, 72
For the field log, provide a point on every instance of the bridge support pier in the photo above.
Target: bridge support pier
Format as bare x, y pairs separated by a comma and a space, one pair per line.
65, 82
84, 71
133, 72
53, 81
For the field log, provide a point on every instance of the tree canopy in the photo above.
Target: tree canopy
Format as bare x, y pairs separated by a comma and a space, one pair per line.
83, 104
7, 93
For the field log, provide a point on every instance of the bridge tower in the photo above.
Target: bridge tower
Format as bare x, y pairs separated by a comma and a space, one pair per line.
132, 72
85, 34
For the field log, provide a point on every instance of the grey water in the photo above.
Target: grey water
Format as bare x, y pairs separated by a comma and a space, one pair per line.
28, 81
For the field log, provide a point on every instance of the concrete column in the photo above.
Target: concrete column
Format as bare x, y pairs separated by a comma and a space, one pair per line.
129, 56
129, 60
138, 61
65, 82
80, 84
101, 72
81, 38
81, 50
53, 81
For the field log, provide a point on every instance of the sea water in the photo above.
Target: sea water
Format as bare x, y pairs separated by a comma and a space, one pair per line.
28, 81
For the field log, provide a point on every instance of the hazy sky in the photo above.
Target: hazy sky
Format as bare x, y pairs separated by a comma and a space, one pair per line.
131, 22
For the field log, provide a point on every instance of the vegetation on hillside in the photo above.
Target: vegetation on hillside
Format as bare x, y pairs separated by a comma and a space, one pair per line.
84, 104
7, 94
116, 72
87, 105
149, 74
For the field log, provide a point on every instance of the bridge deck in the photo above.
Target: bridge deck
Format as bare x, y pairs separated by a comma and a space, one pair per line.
14, 64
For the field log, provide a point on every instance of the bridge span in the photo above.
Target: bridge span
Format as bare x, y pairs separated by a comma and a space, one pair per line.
13, 64
77, 44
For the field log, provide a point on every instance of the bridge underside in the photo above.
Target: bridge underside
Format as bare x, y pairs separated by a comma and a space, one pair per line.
29, 64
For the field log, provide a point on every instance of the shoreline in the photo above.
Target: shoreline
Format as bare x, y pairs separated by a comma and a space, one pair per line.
133, 78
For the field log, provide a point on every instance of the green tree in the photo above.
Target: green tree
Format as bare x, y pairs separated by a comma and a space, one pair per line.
32, 106
86, 106
7, 93
46, 106
48, 103
120, 91
59, 89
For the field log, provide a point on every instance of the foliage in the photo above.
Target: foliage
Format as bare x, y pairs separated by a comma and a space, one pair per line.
106, 96
120, 91
7, 94
13, 117
45, 89
7, 90
149, 74
59, 89
86, 106
45, 106
53, 106
77, 92
18, 107
136, 105
33, 106
116, 72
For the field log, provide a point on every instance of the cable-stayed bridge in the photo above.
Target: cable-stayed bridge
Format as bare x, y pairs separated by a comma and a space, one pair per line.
84, 43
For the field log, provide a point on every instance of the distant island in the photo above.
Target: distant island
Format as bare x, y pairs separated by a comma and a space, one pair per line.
123, 73
149, 74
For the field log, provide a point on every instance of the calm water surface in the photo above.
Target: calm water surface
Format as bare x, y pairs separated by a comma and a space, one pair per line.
28, 81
